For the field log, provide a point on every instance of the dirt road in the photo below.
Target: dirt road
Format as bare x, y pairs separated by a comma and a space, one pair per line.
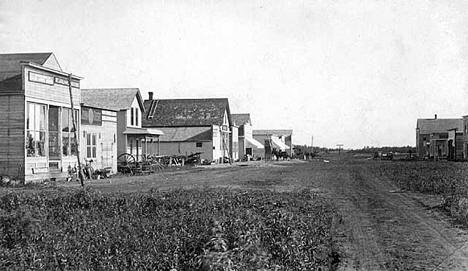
382, 228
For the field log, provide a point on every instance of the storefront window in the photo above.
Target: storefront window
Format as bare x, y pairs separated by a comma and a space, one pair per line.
69, 142
35, 130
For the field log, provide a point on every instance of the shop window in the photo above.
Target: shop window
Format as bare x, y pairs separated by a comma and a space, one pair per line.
199, 144
35, 130
69, 142
91, 146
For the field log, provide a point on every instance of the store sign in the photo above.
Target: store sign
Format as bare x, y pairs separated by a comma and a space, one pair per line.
90, 116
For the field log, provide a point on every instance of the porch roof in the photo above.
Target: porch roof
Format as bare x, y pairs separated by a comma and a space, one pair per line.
278, 143
142, 131
251, 142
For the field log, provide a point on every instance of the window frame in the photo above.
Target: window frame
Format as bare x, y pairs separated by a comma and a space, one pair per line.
33, 131
71, 134
91, 145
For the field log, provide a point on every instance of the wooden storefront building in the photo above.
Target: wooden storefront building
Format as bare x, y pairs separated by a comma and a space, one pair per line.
128, 104
37, 139
99, 135
247, 144
439, 138
191, 126
274, 140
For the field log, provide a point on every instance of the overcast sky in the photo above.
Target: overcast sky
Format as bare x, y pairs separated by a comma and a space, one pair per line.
353, 72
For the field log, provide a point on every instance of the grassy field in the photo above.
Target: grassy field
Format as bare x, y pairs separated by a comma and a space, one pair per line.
449, 180
288, 215
195, 229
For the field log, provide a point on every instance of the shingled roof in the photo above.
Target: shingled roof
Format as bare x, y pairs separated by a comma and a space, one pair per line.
241, 119
10, 63
186, 112
429, 126
111, 98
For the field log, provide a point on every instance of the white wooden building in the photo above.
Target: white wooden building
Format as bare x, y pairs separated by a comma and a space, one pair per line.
192, 126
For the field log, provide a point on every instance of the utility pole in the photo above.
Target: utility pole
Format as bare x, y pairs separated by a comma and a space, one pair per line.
339, 148
312, 144
80, 175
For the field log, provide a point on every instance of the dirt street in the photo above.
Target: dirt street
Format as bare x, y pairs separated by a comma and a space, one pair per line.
382, 228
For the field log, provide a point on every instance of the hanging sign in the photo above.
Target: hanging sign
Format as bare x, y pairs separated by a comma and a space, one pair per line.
91, 116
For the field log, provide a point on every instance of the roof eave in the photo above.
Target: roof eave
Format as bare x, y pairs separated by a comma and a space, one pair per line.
37, 66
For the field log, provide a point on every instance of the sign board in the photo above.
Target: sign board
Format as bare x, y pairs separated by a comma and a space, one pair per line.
91, 116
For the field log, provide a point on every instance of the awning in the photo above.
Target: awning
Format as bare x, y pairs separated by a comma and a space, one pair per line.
142, 131
251, 142
277, 143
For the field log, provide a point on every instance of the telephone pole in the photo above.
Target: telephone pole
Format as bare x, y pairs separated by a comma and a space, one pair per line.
339, 148
312, 144
74, 120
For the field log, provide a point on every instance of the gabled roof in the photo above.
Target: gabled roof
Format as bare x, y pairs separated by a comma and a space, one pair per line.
185, 134
186, 112
241, 119
429, 126
111, 98
277, 132
10, 63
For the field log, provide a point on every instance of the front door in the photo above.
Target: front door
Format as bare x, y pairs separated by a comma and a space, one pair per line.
54, 144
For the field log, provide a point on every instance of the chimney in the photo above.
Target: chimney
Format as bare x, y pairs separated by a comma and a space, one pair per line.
150, 94
435, 116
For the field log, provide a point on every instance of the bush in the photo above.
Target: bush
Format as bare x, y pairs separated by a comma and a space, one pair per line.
210, 229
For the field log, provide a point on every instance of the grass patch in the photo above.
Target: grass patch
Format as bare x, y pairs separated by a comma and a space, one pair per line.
206, 229
448, 179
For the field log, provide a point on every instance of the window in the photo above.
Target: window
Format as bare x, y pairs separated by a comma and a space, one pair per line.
91, 145
136, 116
199, 144
131, 116
69, 142
35, 130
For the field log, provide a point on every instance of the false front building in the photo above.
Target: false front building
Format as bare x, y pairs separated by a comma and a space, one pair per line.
191, 126
439, 138
278, 140
37, 136
247, 144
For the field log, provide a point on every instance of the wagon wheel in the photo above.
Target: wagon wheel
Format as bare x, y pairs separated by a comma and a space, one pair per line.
126, 161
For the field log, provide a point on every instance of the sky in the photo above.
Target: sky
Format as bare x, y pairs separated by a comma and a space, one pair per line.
352, 72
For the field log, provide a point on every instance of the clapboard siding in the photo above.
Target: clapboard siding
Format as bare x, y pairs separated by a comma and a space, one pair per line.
53, 93
12, 135
106, 145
